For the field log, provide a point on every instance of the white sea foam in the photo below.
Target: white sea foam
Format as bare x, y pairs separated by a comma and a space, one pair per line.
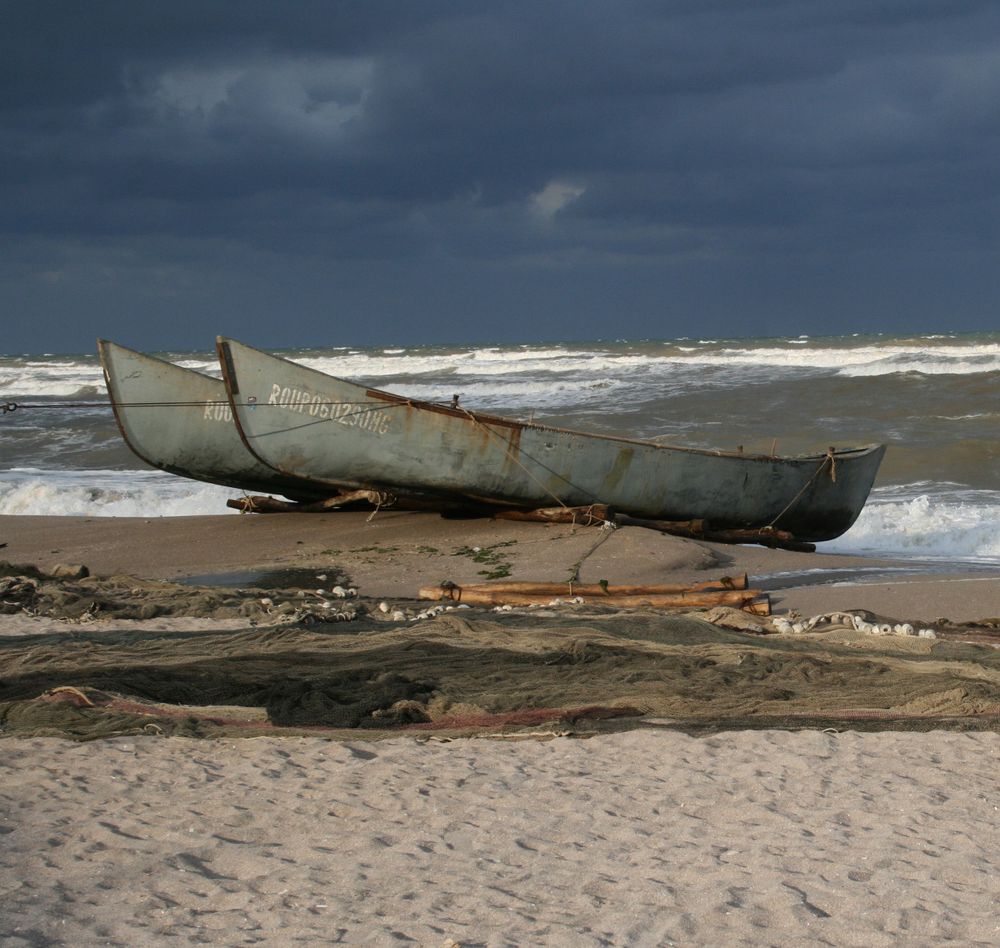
515, 396
69, 377
850, 361
861, 360
473, 362
91, 493
56, 380
204, 366
926, 362
478, 363
926, 521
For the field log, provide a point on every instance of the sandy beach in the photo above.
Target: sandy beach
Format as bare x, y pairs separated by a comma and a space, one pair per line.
575, 829
746, 838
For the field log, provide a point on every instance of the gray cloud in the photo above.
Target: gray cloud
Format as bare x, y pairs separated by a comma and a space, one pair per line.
563, 166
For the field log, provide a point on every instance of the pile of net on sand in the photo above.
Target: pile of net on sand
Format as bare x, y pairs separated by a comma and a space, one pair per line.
71, 594
464, 673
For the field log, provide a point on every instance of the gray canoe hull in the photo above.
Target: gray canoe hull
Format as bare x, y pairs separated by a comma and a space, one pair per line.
332, 432
180, 421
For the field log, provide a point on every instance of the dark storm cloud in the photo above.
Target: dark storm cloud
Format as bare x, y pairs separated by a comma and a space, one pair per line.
204, 146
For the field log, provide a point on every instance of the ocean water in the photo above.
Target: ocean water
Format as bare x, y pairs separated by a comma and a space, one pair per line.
932, 399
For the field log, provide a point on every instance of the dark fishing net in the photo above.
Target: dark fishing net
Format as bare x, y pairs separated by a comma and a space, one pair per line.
461, 674
25, 589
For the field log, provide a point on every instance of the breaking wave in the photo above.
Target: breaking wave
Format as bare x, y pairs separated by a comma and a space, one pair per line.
29, 491
926, 521
850, 357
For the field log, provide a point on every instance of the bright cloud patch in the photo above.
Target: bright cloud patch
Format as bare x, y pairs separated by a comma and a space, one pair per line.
555, 196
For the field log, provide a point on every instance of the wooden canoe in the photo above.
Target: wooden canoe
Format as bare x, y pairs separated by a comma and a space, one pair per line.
328, 431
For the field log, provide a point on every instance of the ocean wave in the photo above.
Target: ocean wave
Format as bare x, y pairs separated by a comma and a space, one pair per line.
972, 416
850, 360
204, 366
926, 521
27, 446
850, 357
477, 363
31, 384
91, 493
925, 362
857, 361
514, 395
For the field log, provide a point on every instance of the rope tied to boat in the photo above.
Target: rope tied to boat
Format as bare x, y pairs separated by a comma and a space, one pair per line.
382, 499
590, 519
831, 459
199, 403
575, 576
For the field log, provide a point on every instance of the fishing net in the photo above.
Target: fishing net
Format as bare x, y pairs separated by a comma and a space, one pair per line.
463, 673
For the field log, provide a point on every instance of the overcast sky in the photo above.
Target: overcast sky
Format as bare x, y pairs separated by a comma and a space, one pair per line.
332, 173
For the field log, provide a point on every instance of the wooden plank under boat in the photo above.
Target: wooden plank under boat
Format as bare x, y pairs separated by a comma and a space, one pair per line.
332, 432
180, 421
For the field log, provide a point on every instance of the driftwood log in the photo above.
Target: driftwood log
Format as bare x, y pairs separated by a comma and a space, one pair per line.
701, 530
364, 498
258, 504
749, 600
597, 514
587, 516
604, 590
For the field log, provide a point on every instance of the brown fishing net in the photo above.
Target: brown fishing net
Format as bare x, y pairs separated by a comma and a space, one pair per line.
460, 674
25, 589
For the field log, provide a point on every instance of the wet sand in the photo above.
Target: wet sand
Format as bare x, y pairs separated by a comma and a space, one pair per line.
646, 837
393, 554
